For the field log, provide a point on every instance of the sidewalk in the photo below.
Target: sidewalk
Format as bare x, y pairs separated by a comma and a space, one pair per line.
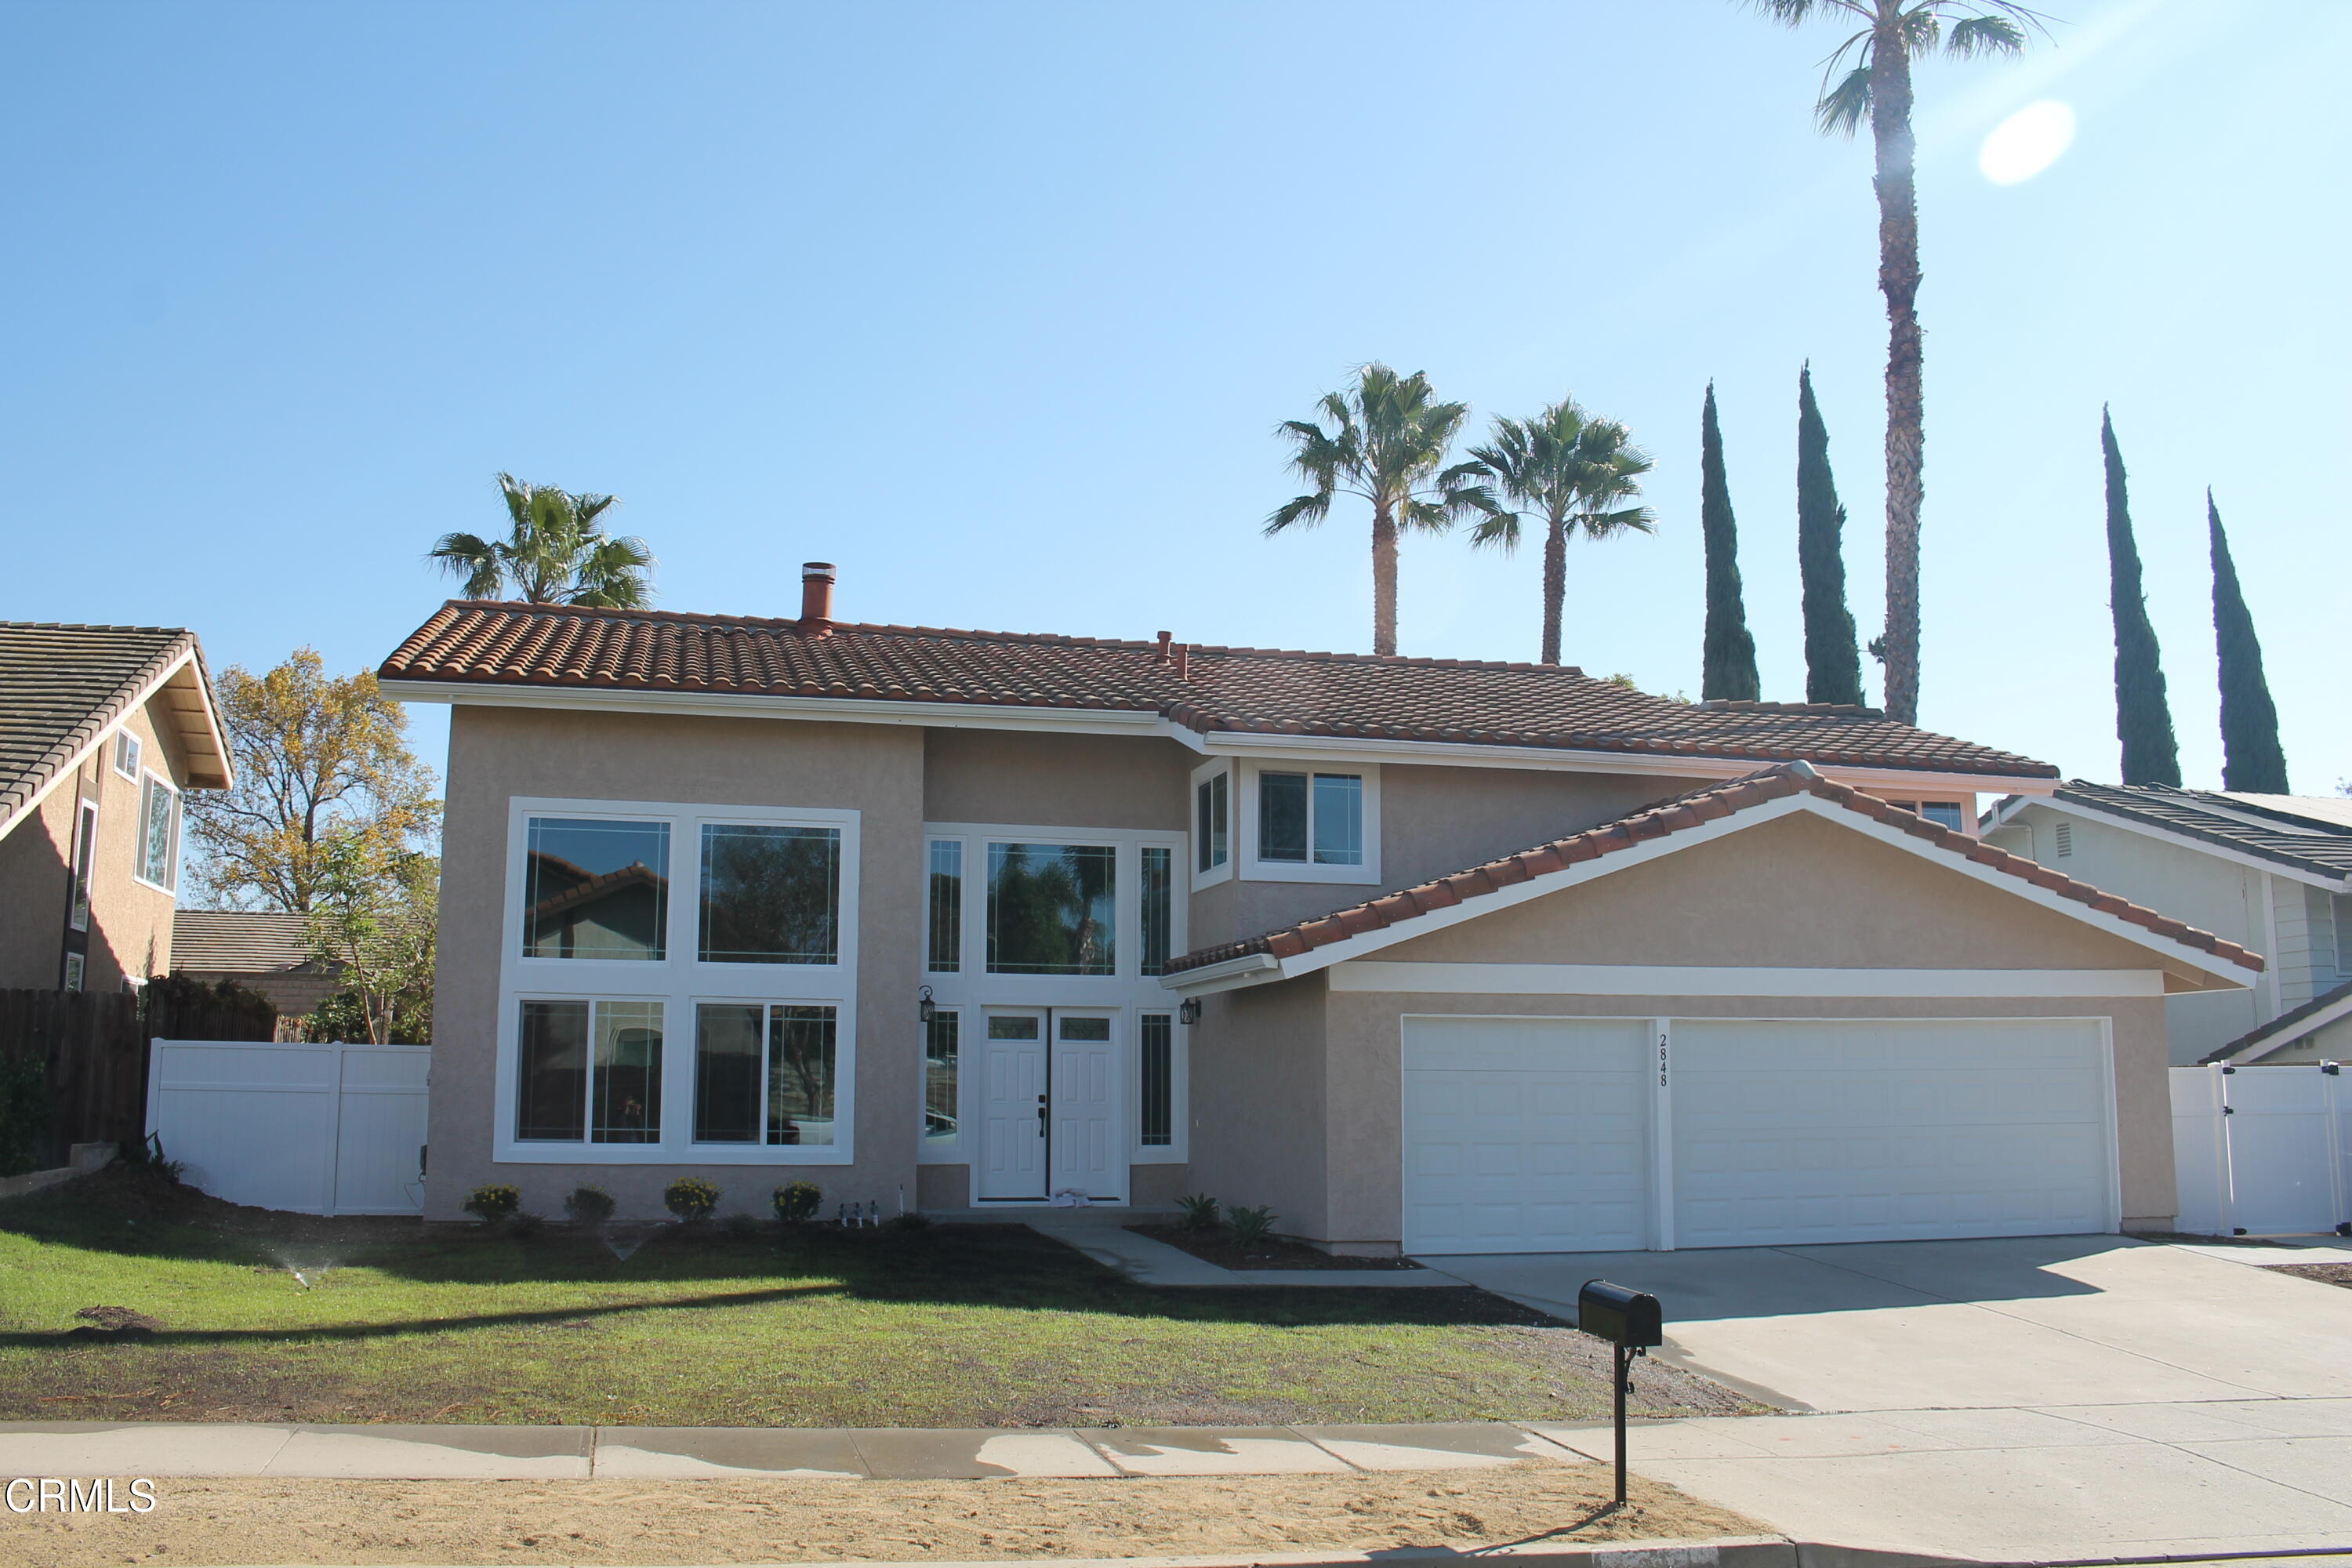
1102, 1235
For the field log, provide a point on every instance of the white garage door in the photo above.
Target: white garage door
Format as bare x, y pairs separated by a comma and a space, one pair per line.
1793, 1132
1535, 1135
1526, 1135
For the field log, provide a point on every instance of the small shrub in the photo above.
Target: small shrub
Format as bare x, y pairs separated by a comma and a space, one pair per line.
523, 1224
909, 1222
798, 1202
742, 1227
1200, 1211
589, 1206
492, 1202
690, 1198
1250, 1226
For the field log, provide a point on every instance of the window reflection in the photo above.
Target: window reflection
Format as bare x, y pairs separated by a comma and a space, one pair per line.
1052, 908
596, 889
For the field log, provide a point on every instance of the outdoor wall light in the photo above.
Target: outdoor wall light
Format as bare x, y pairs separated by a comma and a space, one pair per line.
923, 1004
1189, 1010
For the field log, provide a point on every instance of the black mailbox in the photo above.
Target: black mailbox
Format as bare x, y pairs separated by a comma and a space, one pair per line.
1623, 1317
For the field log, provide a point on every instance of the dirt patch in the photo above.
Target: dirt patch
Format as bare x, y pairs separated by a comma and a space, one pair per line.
2325, 1273
1274, 1252
199, 1523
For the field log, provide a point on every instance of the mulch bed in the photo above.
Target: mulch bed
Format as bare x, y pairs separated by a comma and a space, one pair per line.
1274, 1252
2325, 1273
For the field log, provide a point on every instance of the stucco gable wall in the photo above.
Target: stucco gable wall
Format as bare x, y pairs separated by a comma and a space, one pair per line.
1054, 781
1797, 892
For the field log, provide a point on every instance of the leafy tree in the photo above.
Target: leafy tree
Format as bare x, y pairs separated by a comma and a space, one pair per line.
1832, 662
2251, 758
317, 758
1576, 472
2143, 719
554, 552
1728, 662
374, 920
1877, 85
1385, 440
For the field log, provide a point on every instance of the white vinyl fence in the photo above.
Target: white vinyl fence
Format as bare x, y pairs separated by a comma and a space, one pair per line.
314, 1128
2262, 1150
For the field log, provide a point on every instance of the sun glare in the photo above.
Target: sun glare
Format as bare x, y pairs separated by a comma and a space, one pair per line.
2027, 142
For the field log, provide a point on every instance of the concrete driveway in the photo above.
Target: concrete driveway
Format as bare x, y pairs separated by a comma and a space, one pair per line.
1914, 1325
2049, 1397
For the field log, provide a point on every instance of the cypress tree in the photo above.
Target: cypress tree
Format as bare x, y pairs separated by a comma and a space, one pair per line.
1832, 658
2251, 758
1728, 662
2142, 721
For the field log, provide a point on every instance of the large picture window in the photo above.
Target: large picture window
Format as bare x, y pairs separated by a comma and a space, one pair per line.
596, 889
589, 1071
770, 894
736, 923
764, 1073
1053, 909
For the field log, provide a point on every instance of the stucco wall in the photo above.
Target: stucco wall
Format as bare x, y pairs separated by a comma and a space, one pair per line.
1258, 1099
1436, 821
1054, 781
130, 922
498, 754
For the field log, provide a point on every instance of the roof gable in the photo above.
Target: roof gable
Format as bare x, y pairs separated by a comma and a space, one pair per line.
2286, 1029
2309, 846
63, 688
1701, 816
1202, 690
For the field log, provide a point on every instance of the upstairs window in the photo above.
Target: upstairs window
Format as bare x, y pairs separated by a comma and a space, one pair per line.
159, 833
771, 895
1159, 907
596, 889
943, 950
85, 850
127, 753
1310, 818
1052, 908
1213, 817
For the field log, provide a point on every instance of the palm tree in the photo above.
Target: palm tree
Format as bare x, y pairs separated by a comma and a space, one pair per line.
1574, 472
1385, 440
553, 554
1878, 83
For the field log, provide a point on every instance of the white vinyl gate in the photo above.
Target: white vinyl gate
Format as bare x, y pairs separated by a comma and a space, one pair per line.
2262, 1150
329, 1129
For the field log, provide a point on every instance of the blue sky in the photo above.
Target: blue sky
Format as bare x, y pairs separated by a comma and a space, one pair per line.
996, 305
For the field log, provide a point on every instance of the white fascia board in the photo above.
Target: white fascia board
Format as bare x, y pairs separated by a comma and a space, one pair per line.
2339, 1008
837, 710
1232, 975
1545, 759
1667, 980
2178, 956
2195, 845
72, 764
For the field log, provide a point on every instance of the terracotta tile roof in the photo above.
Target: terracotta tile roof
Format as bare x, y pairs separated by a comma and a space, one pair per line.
1255, 690
1671, 816
62, 686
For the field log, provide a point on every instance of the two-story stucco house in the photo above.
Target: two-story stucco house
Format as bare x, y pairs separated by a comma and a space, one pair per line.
2271, 872
102, 730
1427, 954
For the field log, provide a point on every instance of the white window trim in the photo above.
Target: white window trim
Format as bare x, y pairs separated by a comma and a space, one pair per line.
680, 981
1201, 775
1126, 994
1245, 810
125, 741
138, 844
82, 896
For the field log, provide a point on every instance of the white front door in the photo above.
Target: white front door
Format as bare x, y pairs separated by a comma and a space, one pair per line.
1089, 1156
1012, 1104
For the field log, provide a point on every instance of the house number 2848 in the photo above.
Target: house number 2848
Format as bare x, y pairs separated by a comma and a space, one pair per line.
1662, 1059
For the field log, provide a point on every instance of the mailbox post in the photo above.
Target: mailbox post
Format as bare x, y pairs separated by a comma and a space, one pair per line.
1632, 1321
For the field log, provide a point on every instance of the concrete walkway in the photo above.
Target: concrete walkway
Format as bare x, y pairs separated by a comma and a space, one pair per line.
1102, 1235
84, 1448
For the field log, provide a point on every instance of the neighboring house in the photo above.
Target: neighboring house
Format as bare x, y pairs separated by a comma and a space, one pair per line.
268, 952
980, 918
102, 729
2271, 872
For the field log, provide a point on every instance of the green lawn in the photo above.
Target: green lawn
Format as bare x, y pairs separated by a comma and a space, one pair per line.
975, 1326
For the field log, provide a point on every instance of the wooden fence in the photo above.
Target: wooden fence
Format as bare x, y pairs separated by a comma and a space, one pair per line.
92, 1046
